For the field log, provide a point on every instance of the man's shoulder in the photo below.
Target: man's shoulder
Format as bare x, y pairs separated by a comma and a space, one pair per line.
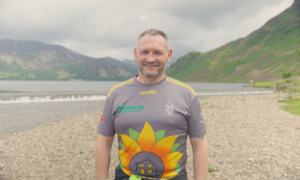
120, 85
180, 86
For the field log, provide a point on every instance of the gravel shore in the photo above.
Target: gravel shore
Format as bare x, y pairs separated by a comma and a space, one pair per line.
250, 137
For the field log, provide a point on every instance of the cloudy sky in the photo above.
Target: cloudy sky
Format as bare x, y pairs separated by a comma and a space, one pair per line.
99, 28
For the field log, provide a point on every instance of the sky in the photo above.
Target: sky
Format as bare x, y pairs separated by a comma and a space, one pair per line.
101, 28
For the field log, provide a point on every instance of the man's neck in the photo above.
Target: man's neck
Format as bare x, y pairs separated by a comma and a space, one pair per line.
150, 80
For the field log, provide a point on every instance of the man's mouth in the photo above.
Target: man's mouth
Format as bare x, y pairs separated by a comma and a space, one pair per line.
151, 65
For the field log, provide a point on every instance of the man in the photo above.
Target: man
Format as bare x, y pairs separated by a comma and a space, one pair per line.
152, 115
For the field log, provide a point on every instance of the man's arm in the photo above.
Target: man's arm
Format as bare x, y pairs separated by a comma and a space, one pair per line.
102, 156
200, 157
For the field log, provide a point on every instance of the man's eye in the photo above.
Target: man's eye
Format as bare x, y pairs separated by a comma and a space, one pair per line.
158, 53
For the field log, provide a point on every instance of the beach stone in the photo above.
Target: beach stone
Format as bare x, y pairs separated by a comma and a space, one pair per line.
251, 160
213, 154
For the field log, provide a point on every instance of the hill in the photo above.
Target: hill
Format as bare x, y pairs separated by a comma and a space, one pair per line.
30, 60
262, 55
127, 63
99, 69
132, 62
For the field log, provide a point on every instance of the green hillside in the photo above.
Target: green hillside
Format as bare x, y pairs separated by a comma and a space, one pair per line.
262, 55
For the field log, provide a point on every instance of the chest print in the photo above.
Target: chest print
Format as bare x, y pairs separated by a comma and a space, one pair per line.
169, 108
149, 153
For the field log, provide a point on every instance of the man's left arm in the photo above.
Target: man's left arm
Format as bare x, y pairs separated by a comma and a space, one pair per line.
200, 157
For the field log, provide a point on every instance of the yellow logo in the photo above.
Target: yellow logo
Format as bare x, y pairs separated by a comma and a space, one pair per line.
148, 92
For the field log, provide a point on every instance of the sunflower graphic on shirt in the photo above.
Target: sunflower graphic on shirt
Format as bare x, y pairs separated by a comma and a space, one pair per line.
142, 153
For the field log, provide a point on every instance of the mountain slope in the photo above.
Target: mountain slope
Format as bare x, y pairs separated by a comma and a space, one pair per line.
31, 55
262, 55
30, 60
125, 63
132, 62
99, 69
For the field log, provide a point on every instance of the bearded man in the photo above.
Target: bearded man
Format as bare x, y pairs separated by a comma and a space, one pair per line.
153, 115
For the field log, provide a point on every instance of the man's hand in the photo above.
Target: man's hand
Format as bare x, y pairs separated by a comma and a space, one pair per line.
102, 156
200, 157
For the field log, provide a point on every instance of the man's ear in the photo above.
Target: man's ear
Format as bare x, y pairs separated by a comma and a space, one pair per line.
170, 52
135, 54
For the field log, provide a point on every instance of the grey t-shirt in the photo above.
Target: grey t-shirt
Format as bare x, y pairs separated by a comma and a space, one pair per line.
152, 122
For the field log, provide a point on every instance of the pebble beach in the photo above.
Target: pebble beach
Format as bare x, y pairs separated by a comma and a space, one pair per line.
250, 137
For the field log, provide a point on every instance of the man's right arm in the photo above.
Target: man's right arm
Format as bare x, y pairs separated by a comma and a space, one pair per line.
102, 156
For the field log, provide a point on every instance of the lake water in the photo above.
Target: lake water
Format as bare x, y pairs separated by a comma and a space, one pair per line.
27, 104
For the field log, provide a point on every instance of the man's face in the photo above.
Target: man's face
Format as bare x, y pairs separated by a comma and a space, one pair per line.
152, 55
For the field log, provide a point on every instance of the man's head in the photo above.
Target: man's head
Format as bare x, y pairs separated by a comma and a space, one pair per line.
154, 32
152, 53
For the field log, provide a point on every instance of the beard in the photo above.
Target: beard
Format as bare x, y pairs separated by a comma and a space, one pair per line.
161, 68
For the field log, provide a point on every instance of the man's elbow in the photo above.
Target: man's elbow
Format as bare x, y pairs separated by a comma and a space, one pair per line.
199, 144
104, 142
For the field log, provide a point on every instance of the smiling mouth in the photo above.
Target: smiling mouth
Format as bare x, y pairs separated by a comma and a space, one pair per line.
148, 65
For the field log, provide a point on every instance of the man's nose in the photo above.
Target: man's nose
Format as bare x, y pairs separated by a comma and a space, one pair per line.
150, 57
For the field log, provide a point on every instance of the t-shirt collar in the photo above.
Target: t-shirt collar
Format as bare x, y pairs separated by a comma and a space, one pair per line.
139, 83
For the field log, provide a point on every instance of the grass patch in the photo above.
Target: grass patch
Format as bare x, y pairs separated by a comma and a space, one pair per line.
294, 91
269, 84
263, 84
293, 106
204, 103
210, 169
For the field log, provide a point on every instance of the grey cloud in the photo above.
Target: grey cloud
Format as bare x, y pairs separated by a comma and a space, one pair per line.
100, 28
210, 14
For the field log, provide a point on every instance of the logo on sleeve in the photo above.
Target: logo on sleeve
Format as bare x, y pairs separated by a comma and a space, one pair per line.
169, 108
101, 119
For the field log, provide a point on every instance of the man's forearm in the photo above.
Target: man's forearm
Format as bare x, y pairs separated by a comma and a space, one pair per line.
200, 159
102, 160
102, 163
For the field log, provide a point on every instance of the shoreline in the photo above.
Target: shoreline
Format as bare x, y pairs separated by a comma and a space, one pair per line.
43, 97
249, 136
51, 96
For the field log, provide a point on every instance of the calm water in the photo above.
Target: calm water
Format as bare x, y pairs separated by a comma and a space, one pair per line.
27, 104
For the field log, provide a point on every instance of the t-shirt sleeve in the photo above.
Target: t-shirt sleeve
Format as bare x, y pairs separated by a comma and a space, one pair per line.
106, 125
196, 121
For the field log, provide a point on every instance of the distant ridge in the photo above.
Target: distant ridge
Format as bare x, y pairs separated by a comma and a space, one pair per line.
32, 55
262, 55
31, 60
126, 63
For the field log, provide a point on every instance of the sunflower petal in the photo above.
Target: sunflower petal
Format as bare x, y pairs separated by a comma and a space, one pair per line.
176, 168
146, 138
175, 147
125, 158
122, 146
169, 173
126, 171
159, 135
133, 134
170, 160
164, 146
130, 145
